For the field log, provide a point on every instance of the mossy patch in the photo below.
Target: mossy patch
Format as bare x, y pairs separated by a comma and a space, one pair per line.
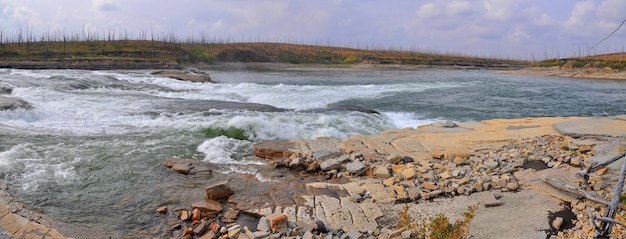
230, 132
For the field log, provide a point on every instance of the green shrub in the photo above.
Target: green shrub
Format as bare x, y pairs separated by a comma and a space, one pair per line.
550, 63
579, 64
230, 132
438, 227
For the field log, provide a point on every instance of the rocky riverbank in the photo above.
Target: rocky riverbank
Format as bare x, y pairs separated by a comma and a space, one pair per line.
357, 187
585, 72
90, 65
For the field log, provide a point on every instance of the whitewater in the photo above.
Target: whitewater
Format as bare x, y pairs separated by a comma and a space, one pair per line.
91, 149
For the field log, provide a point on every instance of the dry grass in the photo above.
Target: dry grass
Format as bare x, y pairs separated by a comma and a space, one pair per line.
163, 51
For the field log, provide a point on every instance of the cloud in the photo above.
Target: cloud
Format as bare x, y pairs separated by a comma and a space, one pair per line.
613, 10
580, 14
105, 5
519, 34
428, 10
458, 8
500, 9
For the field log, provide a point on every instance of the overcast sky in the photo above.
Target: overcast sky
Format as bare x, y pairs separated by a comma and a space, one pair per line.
504, 28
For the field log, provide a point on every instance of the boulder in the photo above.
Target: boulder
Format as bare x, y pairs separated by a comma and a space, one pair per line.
356, 168
12, 103
191, 75
278, 222
218, 191
330, 164
429, 186
208, 207
381, 171
409, 173
162, 209
196, 215
263, 225
187, 166
273, 149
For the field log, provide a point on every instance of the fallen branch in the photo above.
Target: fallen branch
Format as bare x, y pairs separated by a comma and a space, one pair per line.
574, 191
605, 227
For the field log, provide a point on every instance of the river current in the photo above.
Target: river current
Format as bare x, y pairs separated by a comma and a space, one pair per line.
91, 149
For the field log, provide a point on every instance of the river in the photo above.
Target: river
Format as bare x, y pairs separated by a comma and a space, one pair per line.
91, 149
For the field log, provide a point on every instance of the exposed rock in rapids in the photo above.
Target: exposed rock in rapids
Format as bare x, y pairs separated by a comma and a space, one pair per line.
12, 103
191, 75
209, 208
218, 191
5, 90
194, 106
273, 149
187, 166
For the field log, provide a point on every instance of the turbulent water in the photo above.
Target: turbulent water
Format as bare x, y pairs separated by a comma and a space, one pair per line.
91, 149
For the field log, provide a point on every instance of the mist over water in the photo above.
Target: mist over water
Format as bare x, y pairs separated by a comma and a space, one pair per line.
96, 139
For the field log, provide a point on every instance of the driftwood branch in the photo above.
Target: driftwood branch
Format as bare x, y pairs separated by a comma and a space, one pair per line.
596, 167
605, 227
605, 219
576, 192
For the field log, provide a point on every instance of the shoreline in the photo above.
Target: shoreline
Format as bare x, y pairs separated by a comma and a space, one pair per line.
587, 73
428, 146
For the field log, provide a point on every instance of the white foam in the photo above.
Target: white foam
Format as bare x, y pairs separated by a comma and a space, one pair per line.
248, 171
35, 167
224, 150
407, 119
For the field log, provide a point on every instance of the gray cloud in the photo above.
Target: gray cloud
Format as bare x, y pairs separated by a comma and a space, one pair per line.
483, 27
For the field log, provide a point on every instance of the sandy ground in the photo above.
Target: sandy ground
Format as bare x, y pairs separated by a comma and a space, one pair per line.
592, 73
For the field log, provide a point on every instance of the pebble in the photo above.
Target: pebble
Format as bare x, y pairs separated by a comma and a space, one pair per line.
557, 223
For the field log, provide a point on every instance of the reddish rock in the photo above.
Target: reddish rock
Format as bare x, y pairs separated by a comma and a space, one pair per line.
214, 227
429, 185
278, 222
187, 166
231, 214
184, 215
273, 149
196, 215
188, 231
182, 168
162, 209
209, 235
218, 191
209, 208
313, 166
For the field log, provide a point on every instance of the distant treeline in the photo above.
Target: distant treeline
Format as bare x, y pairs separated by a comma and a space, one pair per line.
118, 45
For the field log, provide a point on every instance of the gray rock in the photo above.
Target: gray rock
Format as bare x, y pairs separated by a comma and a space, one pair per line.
307, 235
264, 225
259, 235
354, 235
295, 162
449, 124
200, 228
406, 234
5, 90
343, 159
490, 164
330, 164
356, 167
12, 103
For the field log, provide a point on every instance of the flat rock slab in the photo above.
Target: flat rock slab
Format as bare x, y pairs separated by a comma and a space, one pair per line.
489, 200
606, 127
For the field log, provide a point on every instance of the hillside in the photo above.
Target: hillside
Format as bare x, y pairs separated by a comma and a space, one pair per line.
612, 61
150, 53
